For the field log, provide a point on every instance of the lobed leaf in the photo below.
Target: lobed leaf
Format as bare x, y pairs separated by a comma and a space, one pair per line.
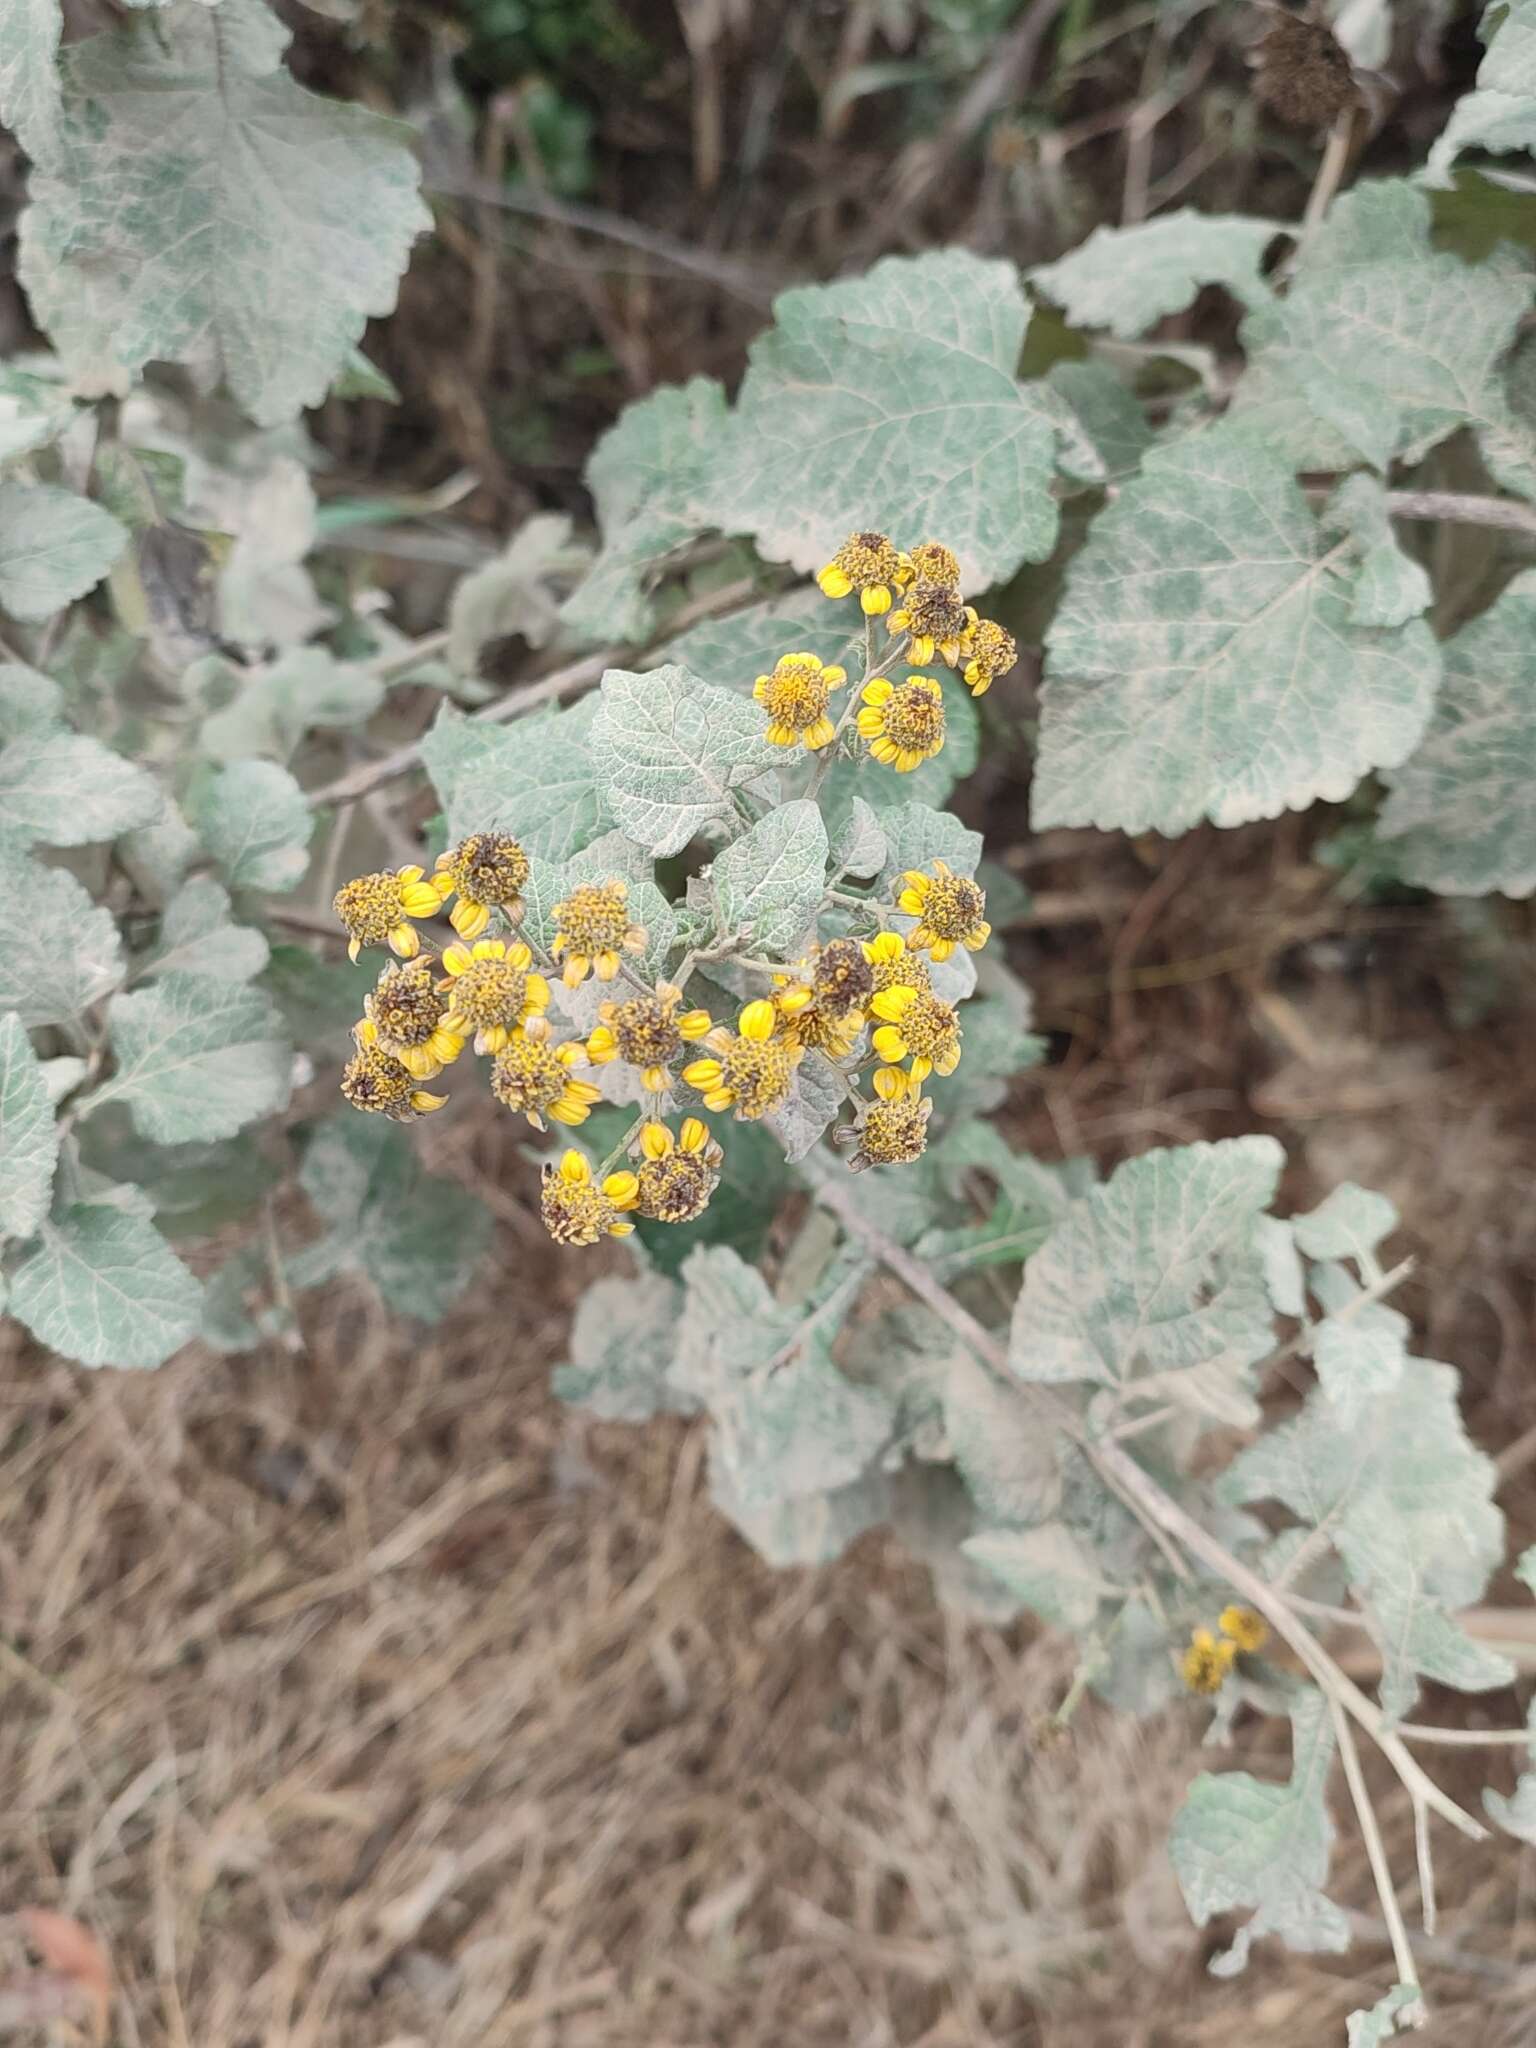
536, 780
54, 546
197, 936
103, 1287
1126, 279
197, 1058
623, 1336
669, 751
29, 78
768, 884
254, 823
59, 951
29, 1137
67, 790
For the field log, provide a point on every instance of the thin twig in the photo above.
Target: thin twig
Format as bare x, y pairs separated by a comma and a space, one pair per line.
1391, 1912
1463, 508
1329, 172
1463, 1738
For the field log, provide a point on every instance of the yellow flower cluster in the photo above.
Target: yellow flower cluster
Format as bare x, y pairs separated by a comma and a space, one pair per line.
932, 612
1213, 1652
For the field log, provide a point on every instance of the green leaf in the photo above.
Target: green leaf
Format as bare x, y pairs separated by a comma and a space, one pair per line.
535, 780
622, 1339
204, 209
29, 79
321, 999
1516, 1812
275, 707
1348, 1224
892, 401
34, 410
197, 1059
1047, 1568
1156, 1272
197, 936
54, 546
1109, 412
103, 1287
1408, 1504
1461, 816
1125, 279
1240, 1842
768, 884
59, 952
812, 1528
648, 477
815, 1097
67, 790
511, 595
1204, 664
669, 751
736, 649
254, 823
916, 836
1391, 587
30, 702
1370, 2029
358, 377
1008, 1462
29, 1137
1501, 114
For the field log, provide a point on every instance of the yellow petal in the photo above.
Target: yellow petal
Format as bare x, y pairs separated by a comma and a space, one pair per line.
622, 1189
911, 902
832, 582
421, 1061
703, 1073
607, 964
601, 1046
621, 1227
759, 688
875, 600
719, 1098
492, 1038
694, 1023
409, 874
884, 751
880, 691
656, 1140
423, 1103
942, 948
921, 1069
947, 1061
354, 947
694, 1135
781, 735
870, 723
446, 1044
892, 1004
979, 686
793, 1000
566, 1111
575, 970
921, 650
889, 1043
366, 1032
653, 1079
834, 676
885, 946
456, 959
420, 899
757, 1020
821, 734
889, 1083
405, 940
977, 937
536, 994
489, 949
575, 1169
582, 1092
469, 920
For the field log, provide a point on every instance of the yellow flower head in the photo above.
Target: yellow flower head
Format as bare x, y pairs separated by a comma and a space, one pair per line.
1245, 1628
916, 1025
903, 722
841, 975
938, 620
1206, 1662
592, 930
930, 562
579, 1210
753, 1066
488, 871
987, 652
890, 1132
678, 1175
376, 910
647, 1032
821, 1005
795, 699
894, 965
491, 990
406, 1018
532, 1075
374, 1081
869, 563
951, 911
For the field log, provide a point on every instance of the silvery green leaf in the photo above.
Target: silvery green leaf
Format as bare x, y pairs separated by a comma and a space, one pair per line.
266, 596
669, 750
1408, 1504
1369, 2029
29, 1137
197, 935
812, 1528
197, 1058
511, 594
204, 209
54, 547
1240, 1842
1157, 1270
1283, 1275
916, 837
1525, 1568
891, 401
103, 1287
1109, 412
254, 824
29, 79
1461, 815
1007, 1460
815, 1098
1391, 588
649, 478
1126, 279
67, 790
1359, 1359
1363, 334
1501, 114
997, 1044
1048, 1570
303, 689
736, 649
622, 1339
51, 983
859, 846
359, 377
1203, 662
30, 702
34, 410
1031, 1200
1348, 1224
1516, 1812
535, 779
61, 1076
768, 884
157, 857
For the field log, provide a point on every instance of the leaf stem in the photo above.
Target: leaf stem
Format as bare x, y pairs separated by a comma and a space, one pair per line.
1402, 1949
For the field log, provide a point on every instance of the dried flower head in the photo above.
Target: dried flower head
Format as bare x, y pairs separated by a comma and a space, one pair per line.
371, 1080
918, 1026
577, 1209
868, 563
841, 976
1302, 71
795, 698
951, 911
1245, 1627
752, 1066
405, 1016
986, 652
532, 1075
893, 964
593, 931
647, 1032
903, 722
677, 1175
1207, 1661
376, 910
938, 620
488, 871
492, 989
890, 1132
930, 562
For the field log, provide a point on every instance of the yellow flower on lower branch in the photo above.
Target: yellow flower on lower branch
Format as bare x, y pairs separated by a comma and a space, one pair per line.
593, 932
532, 1075
487, 871
1205, 1664
918, 1025
647, 1032
951, 911
894, 965
376, 910
752, 1067
405, 1016
677, 1176
986, 653
492, 989
795, 698
1244, 1627
867, 562
938, 620
578, 1209
373, 1081
892, 1131
903, 722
